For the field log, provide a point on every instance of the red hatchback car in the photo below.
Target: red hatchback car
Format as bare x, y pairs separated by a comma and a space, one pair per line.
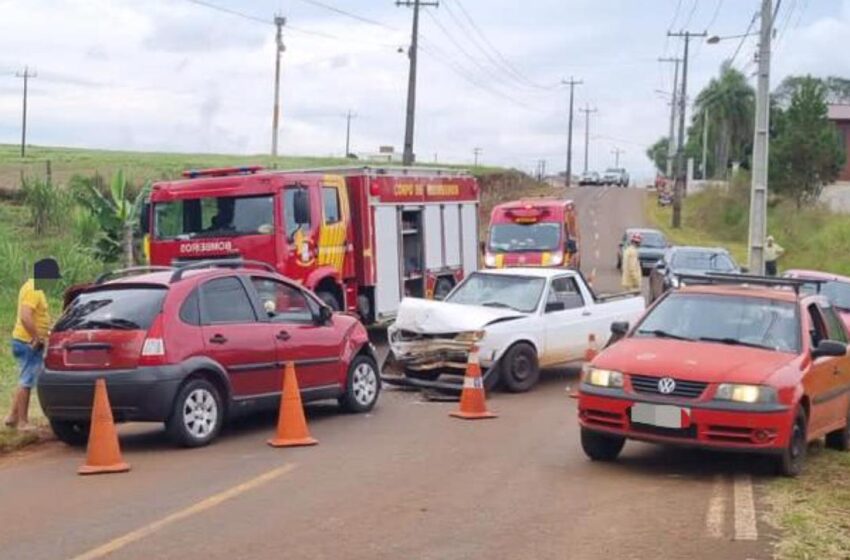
754, 368
192, 346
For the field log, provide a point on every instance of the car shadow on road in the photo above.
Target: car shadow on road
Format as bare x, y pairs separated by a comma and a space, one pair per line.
652, 460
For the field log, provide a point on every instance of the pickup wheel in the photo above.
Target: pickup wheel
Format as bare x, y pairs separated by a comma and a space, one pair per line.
793, 457
520, 370
601, 447
840, 439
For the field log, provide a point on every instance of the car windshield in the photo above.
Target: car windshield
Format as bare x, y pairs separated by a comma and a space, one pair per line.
214, 217
520, 293
703, 260
119, 309
513, 238
652, 239
732, 320
837, 292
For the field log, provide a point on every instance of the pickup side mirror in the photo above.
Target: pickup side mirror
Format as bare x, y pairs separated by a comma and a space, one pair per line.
572, 246
829, 348
619, 328
555, 306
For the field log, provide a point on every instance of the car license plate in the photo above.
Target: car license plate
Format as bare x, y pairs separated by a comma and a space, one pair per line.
661, 415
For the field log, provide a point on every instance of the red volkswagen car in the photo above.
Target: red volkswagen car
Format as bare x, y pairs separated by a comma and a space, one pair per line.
746, 364
193, 346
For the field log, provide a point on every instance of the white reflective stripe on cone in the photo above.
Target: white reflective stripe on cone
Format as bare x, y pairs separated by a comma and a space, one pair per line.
473, 383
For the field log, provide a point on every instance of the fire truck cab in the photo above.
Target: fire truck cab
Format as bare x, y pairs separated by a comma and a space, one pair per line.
535, 232
361, 238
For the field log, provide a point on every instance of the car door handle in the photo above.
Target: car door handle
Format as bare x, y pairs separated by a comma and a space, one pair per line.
218, 339
283, 335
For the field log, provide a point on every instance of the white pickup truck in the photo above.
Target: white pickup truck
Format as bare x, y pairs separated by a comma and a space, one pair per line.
521, 319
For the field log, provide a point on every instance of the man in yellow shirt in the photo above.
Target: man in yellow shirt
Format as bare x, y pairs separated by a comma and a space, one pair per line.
631, 264
30, 336
772, 252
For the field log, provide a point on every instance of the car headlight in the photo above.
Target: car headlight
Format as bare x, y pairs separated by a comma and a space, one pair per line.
674, 281
470, 337
489, 260
603, 377
745, 393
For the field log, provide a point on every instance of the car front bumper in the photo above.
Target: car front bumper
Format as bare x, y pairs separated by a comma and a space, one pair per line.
144, 394
714, 425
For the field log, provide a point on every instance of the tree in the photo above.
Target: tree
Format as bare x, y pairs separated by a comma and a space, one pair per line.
807, 152
658, 154
730, 102
116, 211
837, 89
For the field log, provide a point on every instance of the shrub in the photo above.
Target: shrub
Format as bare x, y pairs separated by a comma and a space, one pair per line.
45, 202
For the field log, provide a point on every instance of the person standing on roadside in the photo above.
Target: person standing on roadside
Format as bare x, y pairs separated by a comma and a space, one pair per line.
631, 264
772, 252
30, 336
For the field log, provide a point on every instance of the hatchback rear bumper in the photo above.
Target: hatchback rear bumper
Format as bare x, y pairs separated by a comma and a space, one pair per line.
144, 394
723, 426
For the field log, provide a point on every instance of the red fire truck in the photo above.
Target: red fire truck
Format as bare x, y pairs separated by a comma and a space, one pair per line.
534, 232
361, 238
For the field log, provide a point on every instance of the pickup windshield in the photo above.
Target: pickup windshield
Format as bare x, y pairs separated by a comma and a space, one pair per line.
515, 238
116, 309
731, 320
225, 216
520, 293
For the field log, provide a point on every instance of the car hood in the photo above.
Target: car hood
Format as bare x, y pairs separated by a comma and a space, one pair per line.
436, 317
692, 361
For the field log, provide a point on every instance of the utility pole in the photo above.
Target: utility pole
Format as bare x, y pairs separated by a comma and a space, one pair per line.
279, 48
569, 176
476, 152
617, 152
758, 196
587, 111
704, 142
408, 157
671, 136
348, 118
681, 170
26, 75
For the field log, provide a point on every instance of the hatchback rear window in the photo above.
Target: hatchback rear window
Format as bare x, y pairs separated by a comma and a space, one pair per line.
122, 309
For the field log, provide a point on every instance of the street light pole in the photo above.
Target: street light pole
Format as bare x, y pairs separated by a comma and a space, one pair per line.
671, 136
704, 143
279, 48
26, 75
569, 175
758, 196
587, 111
681, 171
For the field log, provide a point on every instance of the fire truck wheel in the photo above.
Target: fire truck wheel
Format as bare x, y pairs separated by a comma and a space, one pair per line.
520, 370
329, 299
442, 288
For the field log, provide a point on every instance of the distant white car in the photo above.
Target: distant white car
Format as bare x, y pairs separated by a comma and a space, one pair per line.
590, 178
521, 319
615, 176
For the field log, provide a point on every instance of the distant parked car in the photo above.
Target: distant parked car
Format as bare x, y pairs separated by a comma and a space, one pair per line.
192, 347
653, 245
834, 286
590, 178
678, 261
615, 176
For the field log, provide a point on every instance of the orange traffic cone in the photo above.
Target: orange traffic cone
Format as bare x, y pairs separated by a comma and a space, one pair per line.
103, 454
291, 424
473, 405
592, 348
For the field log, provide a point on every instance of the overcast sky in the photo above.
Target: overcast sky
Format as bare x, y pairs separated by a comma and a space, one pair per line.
174, 75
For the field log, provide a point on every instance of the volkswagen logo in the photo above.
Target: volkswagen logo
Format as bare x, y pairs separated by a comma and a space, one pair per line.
666, 385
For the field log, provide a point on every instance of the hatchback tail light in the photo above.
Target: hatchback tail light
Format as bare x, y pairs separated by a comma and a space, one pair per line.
153, 349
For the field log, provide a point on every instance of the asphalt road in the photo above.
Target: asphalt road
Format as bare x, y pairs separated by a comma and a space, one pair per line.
406, 481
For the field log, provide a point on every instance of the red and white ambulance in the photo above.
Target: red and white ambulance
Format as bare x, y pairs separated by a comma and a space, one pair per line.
361, 238
534, 232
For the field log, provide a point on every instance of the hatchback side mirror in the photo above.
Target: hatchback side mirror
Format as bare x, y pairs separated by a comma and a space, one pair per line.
620, 328
829, 348
325, 315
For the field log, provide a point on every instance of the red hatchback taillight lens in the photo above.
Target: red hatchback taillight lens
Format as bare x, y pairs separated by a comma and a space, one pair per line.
153, 349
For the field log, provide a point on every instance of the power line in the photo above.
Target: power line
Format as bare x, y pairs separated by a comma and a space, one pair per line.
691, 14
743, 38
716, 13
675, 16
232, 12
348, 14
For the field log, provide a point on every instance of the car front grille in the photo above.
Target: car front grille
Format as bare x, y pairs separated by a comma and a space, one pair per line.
684, 389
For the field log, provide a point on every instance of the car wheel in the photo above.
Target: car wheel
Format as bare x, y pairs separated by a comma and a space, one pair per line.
75, 434
793, 457
329, 299
197, 416
601, 447
519, 369
840, 439
363, 385
442, 288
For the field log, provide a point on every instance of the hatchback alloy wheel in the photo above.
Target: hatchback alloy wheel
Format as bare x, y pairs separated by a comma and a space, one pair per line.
200, 413
365, 383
